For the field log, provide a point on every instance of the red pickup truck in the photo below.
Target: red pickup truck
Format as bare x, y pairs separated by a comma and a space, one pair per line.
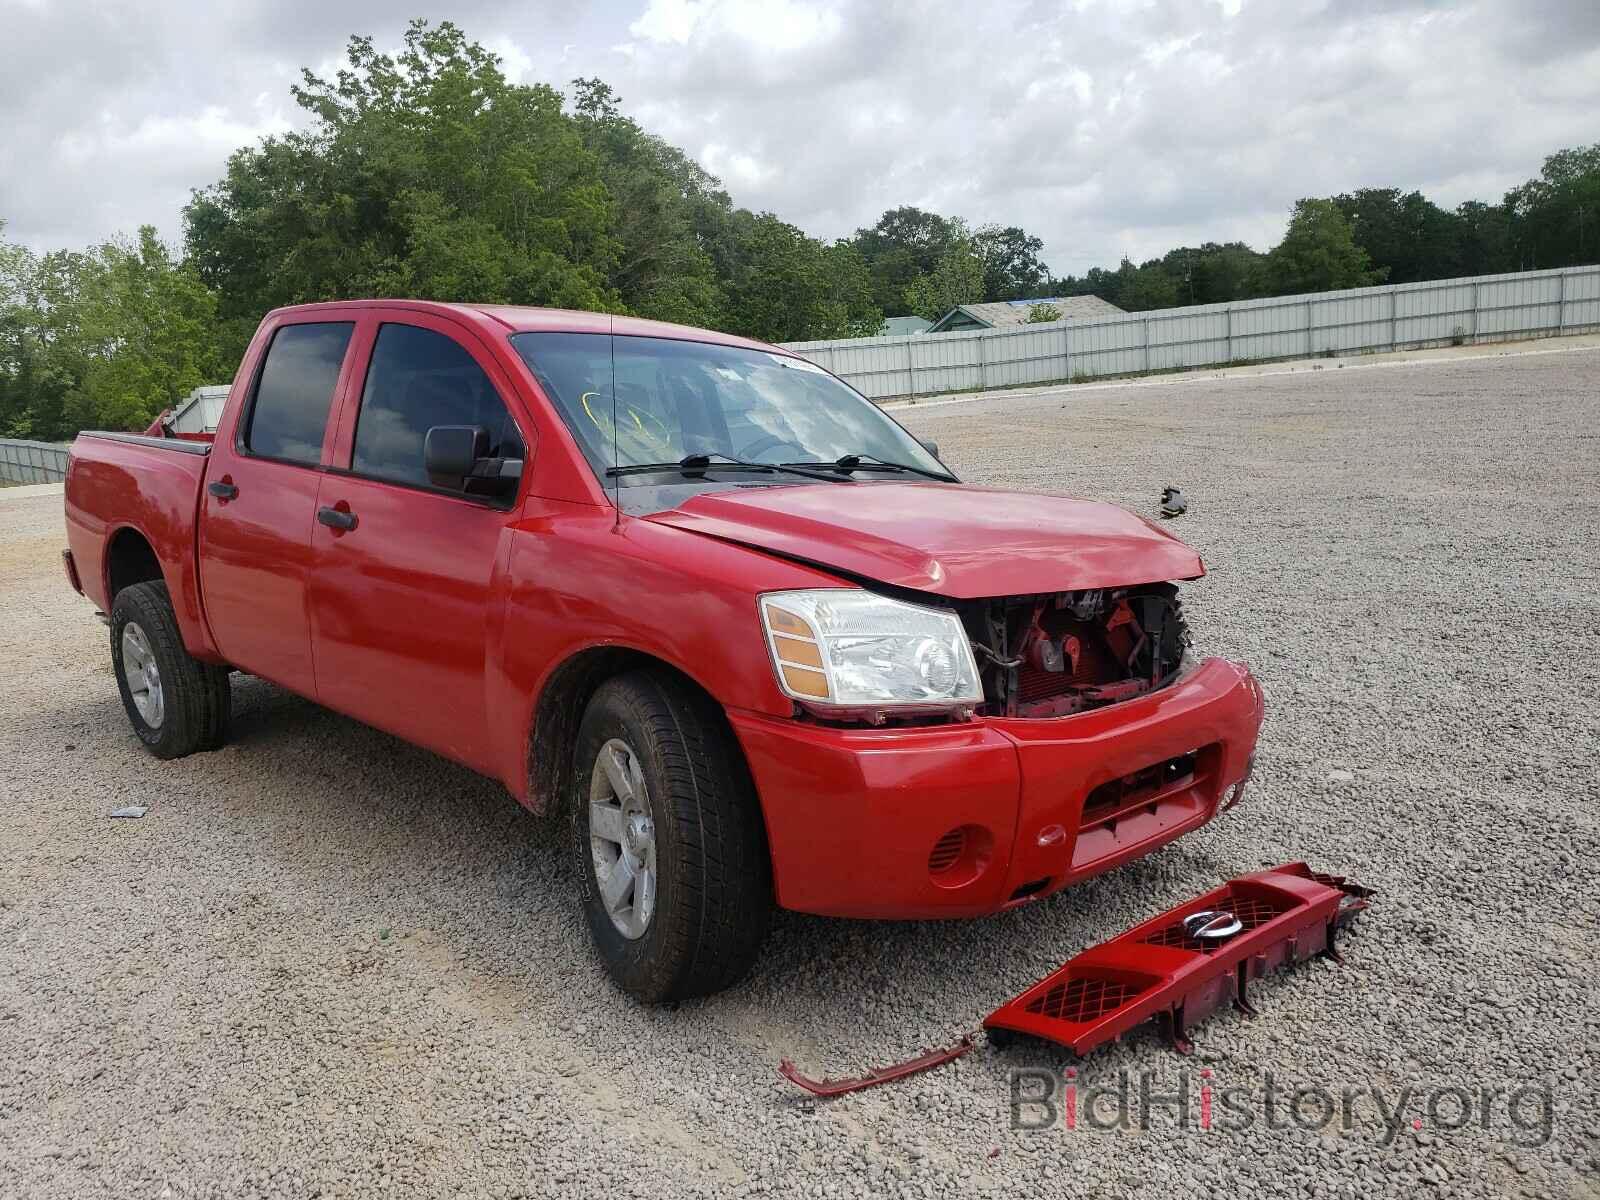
688, 591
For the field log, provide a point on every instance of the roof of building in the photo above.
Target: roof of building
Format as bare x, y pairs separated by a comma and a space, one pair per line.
1002, 313
898, 326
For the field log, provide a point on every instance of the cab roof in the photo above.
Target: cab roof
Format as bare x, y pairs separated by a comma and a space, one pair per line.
514, 318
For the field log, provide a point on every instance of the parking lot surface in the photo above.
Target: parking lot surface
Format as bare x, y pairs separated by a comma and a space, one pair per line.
326, 963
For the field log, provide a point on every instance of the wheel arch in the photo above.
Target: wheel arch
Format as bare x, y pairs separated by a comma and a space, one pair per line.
130, 558
559, 708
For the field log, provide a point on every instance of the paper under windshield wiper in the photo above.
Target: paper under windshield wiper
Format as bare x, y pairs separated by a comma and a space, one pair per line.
871, 462
696, 463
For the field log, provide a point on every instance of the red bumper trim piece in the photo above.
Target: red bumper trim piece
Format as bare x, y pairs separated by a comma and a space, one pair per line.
838, 1087
1177, 973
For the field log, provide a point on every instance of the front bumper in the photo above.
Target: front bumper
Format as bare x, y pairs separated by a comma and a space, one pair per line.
962, 820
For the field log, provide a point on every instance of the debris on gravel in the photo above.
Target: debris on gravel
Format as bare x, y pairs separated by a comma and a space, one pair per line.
339, 966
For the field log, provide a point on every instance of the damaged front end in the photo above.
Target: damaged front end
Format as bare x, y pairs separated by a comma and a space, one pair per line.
1063, 653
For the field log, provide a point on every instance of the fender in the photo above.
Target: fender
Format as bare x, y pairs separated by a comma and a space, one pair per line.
577, 580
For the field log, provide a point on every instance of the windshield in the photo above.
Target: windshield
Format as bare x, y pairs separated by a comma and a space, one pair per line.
677, 398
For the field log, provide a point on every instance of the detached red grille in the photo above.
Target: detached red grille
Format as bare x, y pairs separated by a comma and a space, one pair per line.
1082, 999
1155, 971
1252, 912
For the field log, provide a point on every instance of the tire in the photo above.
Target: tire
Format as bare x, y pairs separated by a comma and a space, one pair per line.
700, 928
190, 704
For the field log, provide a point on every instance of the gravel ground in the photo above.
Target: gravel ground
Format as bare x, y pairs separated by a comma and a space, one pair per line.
327, 963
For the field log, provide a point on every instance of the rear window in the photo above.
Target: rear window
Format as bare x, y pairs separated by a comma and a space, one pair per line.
295, 391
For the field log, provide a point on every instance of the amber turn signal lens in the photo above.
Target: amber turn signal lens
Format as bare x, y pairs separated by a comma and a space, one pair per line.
793, 650
806, 683
781, 620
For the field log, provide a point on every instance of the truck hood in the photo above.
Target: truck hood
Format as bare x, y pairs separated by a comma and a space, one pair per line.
948, 539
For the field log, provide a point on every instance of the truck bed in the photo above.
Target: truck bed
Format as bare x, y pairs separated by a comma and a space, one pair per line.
121, 483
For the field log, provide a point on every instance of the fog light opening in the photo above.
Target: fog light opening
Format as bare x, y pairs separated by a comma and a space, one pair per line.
960, 856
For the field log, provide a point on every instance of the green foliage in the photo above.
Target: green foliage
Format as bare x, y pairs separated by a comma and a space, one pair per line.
428, 174
425, 174
1141, 288
785, 286
1038, 314
1012, 268
663, 200
905, 245
956, 278
1554, 220
1213, 274
105, 338
1411, 236
917, 259
1319, 253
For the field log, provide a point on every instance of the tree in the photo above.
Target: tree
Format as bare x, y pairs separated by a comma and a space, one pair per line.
1012, 268
905, 244
1139, 289
785, 286
1406, 234
1319, 253
425, 174
106, 337
148, 334
661, 199
32, 389
1484, 238
1555, 219
957, 278
1213, 273
1039, 314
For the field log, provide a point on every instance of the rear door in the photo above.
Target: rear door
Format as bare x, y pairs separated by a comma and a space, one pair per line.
402, 597
260, 503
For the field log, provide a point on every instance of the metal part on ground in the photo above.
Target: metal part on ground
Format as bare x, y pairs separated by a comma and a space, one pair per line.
1172, 502
1181, 966
838, 1087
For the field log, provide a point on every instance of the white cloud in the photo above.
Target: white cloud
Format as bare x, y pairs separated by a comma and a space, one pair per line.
668, 20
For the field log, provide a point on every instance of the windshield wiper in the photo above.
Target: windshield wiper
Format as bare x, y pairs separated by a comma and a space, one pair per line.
871, 462
695, 464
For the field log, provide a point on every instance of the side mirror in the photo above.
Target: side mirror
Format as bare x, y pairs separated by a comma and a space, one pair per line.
457, 457
450, 452
931, 446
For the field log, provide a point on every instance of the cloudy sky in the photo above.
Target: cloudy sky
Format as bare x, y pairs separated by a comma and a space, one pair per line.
1108, 128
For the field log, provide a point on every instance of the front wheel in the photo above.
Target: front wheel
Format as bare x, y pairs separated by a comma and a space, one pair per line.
671, 849
176, 703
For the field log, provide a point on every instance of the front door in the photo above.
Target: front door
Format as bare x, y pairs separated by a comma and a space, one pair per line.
260, 500
401, 592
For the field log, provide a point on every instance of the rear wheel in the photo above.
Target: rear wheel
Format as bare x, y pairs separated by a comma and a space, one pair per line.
176, 703
669, 840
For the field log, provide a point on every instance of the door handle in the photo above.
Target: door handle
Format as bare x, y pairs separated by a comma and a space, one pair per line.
222, 490
337, 518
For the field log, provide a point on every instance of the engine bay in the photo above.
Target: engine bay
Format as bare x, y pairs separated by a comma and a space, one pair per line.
1063, 653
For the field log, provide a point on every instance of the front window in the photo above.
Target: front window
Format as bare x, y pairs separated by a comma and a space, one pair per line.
672, 399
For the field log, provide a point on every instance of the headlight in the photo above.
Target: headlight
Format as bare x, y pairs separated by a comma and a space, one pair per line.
846, 648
